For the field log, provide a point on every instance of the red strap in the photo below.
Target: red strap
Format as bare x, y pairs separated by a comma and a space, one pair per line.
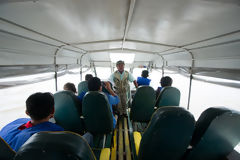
26, 125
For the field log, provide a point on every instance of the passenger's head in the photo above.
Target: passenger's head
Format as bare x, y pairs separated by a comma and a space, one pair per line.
88, 76
120, 65
166, 81
40, 106
145, 73
94, 84
70, 87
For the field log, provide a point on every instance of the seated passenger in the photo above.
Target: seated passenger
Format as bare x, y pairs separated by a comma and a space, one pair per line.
94, 84
87, 78
70, 87
40, 108
143, 80
165, 81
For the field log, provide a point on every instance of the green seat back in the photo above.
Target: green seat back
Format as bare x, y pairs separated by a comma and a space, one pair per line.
220, 138
143, 104
55, 145
82, 87
169, 96
204, 121
168, 134
97, 114
6, 152
67, 111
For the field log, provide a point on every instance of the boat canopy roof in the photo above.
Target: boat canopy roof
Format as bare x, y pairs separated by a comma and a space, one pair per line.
202, 35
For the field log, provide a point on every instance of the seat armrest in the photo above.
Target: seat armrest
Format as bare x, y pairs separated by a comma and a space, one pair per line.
105, 154
137, 139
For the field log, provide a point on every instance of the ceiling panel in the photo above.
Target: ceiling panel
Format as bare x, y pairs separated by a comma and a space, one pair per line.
145, 47
71, 21
183, 21
101, 46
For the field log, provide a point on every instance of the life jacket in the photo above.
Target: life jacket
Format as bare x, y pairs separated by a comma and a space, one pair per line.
121, 86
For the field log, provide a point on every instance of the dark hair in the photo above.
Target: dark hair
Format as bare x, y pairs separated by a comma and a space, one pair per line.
166, 81
88, 76
70, 87
40, 105
94, 84
145, 73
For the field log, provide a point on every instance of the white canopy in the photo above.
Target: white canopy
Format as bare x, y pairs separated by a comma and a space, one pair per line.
203, 34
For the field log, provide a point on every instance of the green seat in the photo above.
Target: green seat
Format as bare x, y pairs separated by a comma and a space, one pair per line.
168, 134
97, 114
82, 87
143, 104
6, 152
68, 111
55, 145
169, 96
220, 138
204, 121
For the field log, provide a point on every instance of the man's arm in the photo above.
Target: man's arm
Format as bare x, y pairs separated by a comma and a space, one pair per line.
132, 79
135, 83
108, 87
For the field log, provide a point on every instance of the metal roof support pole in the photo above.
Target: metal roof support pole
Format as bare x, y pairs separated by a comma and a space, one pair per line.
129, 19
55, 76
190, 78
94, 69
163, 64
81, 67
56, 66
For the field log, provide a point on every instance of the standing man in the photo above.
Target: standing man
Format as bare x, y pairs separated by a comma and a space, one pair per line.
120, 79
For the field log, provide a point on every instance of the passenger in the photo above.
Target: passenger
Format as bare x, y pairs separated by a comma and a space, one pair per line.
120, 78
70, 87
143, 80
87, 78
165, 81
40, 107
95, 84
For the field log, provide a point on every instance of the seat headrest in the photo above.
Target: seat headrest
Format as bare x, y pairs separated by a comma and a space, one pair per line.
55, 145
6, 152
168, 134
96, 112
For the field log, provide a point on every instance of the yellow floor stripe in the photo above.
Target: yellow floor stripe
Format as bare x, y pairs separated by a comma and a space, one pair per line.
127, 146
114, 148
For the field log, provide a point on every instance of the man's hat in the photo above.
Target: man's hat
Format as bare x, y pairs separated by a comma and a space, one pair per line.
120, 62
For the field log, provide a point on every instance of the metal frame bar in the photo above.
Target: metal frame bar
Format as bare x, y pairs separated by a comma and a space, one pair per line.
129, 19
96, 42
191, 76
150, 43
56, 66
120, 49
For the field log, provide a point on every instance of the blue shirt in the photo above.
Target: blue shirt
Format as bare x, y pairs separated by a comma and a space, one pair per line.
143, 81
16, 138
113, 100
82, 94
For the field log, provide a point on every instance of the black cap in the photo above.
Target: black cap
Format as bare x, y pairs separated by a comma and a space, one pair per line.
120, 62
